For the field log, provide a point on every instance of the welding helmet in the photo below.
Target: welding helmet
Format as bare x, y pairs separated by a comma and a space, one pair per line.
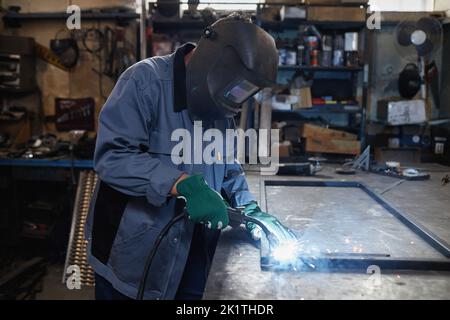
234, 59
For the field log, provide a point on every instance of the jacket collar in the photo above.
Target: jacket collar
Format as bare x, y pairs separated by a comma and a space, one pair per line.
179, 77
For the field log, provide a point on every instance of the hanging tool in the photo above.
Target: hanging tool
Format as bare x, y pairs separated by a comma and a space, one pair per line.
49, 56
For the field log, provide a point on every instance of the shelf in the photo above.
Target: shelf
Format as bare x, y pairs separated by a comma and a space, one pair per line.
12, 18
339, 108
387, 124
320, 68
178, 25
61, 163
294, 24
186, 24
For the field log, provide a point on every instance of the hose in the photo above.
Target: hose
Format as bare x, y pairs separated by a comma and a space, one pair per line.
151, 255
234, 214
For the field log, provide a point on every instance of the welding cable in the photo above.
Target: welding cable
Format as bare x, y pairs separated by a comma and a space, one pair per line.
234, 214
152, 253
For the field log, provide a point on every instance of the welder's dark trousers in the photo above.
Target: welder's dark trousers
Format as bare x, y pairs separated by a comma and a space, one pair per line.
201, 253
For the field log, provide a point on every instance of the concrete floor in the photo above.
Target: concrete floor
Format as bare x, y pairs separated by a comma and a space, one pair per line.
54, 289
333, 220
344, 221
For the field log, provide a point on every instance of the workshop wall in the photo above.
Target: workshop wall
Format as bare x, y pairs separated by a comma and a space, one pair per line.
82, 81
386, 63
442, 5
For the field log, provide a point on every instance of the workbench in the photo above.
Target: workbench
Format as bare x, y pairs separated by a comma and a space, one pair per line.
333, 218
49, 163
24, 182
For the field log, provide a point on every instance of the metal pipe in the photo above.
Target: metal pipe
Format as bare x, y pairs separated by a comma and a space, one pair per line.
142, 29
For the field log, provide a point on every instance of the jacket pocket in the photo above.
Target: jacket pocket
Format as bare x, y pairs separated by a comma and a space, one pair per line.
129, 257
108, 211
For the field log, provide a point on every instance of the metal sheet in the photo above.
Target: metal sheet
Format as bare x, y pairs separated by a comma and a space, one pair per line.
343, 232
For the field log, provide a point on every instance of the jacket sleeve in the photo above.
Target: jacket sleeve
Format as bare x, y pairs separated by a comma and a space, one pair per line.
121, 159
235, 185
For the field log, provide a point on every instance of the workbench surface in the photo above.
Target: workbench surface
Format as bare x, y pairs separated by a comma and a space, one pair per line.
332, 219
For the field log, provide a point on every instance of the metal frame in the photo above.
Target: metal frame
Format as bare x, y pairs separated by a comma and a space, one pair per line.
352, 261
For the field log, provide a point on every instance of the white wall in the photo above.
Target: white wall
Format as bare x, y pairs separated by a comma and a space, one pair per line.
404, 5
441, 5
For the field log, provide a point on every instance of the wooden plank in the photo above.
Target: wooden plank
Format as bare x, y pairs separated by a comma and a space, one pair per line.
332, 146
334, 14
320, 133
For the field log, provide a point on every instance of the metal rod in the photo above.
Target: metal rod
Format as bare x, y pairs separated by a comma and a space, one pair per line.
425, 234
324, 264
74, 222
142, 29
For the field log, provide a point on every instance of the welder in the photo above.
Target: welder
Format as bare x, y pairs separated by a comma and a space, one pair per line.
140, 187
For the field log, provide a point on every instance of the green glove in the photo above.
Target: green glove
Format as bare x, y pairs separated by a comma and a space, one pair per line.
204, 205
280, 232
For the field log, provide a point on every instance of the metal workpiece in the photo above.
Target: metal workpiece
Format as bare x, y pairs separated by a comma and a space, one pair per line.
338, 224
355, 261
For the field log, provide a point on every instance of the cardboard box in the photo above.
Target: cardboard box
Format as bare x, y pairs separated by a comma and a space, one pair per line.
293, 2
284, 149
270, 13
336, 2
283, 102
354, 1
19, 131
327, 2
304, 98
336, 14
399, 112
402, 155
292, 12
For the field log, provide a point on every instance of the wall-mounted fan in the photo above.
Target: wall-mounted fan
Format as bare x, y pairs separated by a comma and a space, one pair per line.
418, 42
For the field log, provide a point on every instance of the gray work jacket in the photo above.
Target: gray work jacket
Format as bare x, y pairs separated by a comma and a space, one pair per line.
131, 203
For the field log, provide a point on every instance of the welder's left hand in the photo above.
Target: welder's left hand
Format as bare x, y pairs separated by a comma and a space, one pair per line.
280, 232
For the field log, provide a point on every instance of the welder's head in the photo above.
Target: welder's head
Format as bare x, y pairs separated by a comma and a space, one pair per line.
234, 59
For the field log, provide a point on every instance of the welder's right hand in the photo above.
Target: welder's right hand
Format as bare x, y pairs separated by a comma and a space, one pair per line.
280, 233
203, 204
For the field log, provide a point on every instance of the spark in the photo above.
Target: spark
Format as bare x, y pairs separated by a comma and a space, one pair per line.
286, 252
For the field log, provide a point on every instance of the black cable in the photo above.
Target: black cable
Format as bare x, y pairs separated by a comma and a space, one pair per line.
234, 214
152, 253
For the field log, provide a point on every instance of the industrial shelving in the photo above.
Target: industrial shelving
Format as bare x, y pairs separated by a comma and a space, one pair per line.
358, 74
